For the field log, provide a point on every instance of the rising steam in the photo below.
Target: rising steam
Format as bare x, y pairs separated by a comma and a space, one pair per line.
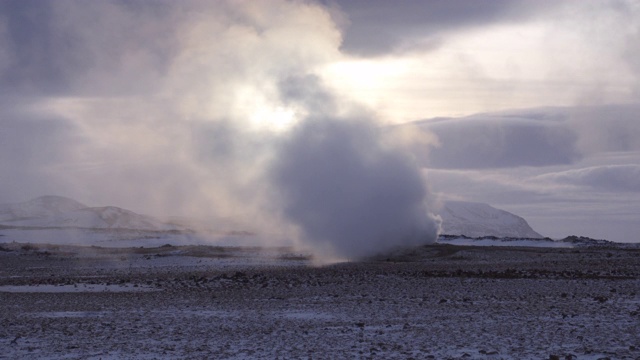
221, 119
350, 194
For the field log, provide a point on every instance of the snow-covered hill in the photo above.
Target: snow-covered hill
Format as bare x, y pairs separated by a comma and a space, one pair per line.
58, 211
40, 208
479, 219
459, 218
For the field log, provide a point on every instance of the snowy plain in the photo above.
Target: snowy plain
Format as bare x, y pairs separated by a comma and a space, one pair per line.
156, 291
233, 302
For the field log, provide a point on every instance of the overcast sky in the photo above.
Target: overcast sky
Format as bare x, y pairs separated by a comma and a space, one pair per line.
188, 108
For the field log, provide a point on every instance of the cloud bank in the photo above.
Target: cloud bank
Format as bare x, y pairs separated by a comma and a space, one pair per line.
481, 142
409, 24
566, 170
618, 178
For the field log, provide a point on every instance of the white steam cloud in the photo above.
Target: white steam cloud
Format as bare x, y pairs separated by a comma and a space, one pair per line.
349, 193
210, 110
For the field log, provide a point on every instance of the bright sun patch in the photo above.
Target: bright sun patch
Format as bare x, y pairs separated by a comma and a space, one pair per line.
275, 118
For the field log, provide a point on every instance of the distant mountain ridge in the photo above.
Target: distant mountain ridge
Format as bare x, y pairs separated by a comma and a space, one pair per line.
480, 220
459, 218
59, 211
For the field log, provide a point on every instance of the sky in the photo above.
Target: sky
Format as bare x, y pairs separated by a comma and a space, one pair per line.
327, 120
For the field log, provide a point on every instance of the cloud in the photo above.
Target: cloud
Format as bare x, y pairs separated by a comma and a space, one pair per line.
522, 54
27, 59
68, 47
493, 141
381, 27
538, 137
29, 143
618, 178
610, 128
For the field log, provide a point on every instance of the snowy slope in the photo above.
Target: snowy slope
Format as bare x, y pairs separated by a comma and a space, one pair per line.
58, 211
459, 218
39, 208
479, 219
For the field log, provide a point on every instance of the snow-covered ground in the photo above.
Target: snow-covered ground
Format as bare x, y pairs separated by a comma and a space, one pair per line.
57, 211
431, 302
125, 237
145, 292
465, 241
76, 223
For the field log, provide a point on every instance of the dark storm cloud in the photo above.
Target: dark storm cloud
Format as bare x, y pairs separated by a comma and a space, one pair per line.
377, 27
347, 192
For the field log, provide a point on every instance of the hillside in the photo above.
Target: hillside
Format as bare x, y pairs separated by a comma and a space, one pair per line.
58, 211
459, 218
479, 219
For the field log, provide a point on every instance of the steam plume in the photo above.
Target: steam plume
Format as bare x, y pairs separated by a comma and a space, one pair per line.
185, 108
349, 193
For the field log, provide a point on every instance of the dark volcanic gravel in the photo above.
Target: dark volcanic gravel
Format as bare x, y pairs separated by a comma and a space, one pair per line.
439, 302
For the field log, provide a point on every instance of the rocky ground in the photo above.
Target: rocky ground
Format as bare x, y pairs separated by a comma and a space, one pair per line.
433, 302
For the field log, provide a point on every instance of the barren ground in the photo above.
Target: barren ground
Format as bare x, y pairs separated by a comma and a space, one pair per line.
438, 302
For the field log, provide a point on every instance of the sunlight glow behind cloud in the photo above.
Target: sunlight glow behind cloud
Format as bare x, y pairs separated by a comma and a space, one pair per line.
555, 60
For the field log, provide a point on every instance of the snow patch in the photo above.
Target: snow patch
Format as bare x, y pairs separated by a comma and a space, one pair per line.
61, 212
478, 219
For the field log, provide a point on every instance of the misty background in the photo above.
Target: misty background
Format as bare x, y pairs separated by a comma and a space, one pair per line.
338, 123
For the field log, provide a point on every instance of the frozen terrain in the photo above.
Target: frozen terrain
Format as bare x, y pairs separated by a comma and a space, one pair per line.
92, 290
430, 302
478, 219
58, 211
